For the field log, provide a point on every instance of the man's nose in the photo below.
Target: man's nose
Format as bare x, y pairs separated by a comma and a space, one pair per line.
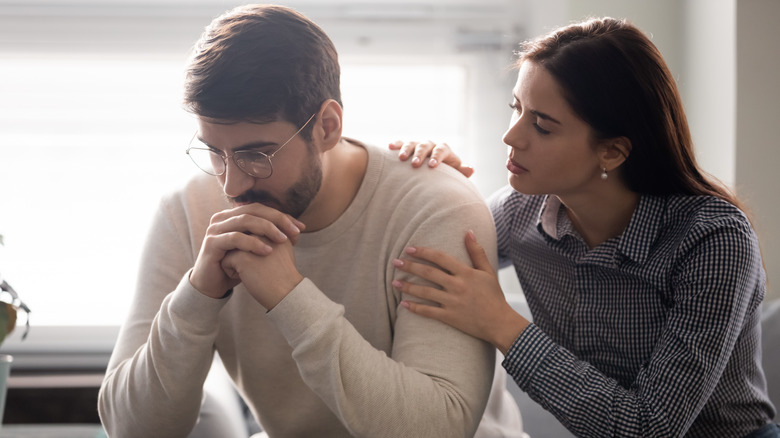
235, 181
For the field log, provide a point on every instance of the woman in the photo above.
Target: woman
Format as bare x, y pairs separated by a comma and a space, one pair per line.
643, 276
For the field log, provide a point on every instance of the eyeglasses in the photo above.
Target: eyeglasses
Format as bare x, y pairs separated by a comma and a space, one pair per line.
254, 163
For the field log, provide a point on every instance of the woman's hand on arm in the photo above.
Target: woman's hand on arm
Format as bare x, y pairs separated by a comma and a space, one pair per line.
435, 153
470, 300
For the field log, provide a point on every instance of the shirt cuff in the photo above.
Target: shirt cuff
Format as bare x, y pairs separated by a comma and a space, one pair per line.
187, 302
526, 355
303, 311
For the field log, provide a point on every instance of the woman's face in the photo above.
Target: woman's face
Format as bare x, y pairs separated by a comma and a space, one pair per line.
551, 150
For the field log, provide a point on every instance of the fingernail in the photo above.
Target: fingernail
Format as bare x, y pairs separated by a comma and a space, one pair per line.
471, 235
403, 155
405, 304
432, 162
416, 160
397, 284
410, 250
398, 263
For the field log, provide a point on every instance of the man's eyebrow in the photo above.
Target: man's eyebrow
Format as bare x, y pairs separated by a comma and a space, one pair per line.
256, 145
244, 147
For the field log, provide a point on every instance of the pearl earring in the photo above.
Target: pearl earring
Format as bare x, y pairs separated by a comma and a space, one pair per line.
604, 173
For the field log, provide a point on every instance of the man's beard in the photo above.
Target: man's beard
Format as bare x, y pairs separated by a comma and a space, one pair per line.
298, 197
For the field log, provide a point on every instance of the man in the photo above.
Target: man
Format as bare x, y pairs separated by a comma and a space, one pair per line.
282, 262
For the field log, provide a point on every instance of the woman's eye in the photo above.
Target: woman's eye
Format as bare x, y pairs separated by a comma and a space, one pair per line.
514, 106
540, 129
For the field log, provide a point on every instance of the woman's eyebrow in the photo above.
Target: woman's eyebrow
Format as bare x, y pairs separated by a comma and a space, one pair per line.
539, 114
544, 116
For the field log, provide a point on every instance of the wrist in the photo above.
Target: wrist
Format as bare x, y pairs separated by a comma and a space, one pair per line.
199, 286
511, 327
281, 290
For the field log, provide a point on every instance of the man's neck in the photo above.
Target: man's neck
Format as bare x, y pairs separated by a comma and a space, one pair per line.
343, 169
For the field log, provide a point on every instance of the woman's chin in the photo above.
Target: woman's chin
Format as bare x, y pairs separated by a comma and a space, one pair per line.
521, 184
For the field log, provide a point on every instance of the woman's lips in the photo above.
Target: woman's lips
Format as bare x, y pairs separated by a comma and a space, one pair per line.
514, 167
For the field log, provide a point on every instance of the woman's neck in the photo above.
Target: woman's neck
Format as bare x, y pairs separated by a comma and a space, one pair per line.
601, 216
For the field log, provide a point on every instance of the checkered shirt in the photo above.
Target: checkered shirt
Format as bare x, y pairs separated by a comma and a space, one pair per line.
652, 333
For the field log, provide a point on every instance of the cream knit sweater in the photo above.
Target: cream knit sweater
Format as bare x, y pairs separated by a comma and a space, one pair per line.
338, 356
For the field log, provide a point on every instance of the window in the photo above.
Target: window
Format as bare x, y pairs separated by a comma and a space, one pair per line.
92, 134
88, 151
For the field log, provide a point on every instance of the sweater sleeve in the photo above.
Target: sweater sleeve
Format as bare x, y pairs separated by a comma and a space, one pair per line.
435, 382
153, 384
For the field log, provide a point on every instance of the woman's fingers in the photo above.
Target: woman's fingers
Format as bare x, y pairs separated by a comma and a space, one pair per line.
427, 272
438, 258
441, 153
421, 152
425, 310
477, 253
433, 153
423, 292
418, 151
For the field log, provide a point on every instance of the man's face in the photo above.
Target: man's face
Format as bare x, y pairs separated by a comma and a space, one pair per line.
297, 168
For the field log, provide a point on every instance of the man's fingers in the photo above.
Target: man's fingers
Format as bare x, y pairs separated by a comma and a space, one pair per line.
259, 220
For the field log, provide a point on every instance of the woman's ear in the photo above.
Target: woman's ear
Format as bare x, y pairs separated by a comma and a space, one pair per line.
614, 152
327, 132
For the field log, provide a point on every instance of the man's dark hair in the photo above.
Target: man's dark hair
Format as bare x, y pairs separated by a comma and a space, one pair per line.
262, 63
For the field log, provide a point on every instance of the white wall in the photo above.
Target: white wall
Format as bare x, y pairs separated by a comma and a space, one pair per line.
724, 56
709, 83
758, 124
660, 19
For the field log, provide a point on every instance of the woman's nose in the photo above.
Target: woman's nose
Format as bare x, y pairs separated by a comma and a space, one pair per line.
515, 135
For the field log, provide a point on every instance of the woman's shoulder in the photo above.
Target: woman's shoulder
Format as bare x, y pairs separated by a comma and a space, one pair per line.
705, 212
507, 200
513, 210
701, 224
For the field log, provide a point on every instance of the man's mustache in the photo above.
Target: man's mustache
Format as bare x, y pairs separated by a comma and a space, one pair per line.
255, 196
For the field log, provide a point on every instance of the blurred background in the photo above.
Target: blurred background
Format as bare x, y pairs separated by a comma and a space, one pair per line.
92, 132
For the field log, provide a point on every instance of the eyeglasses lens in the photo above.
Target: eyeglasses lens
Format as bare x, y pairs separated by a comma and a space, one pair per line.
207, 160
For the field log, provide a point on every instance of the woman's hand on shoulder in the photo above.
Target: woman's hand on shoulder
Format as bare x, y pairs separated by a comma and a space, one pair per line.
434, 153
467, 298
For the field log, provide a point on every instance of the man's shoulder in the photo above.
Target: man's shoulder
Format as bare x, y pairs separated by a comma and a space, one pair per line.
441, 182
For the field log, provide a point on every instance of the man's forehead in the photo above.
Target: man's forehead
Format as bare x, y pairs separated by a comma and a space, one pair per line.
219, 134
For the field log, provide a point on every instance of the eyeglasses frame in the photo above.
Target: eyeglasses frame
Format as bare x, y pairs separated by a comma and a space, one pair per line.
225, 157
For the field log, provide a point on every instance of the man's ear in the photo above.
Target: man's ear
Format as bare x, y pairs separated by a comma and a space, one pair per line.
327, 131
614, 152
